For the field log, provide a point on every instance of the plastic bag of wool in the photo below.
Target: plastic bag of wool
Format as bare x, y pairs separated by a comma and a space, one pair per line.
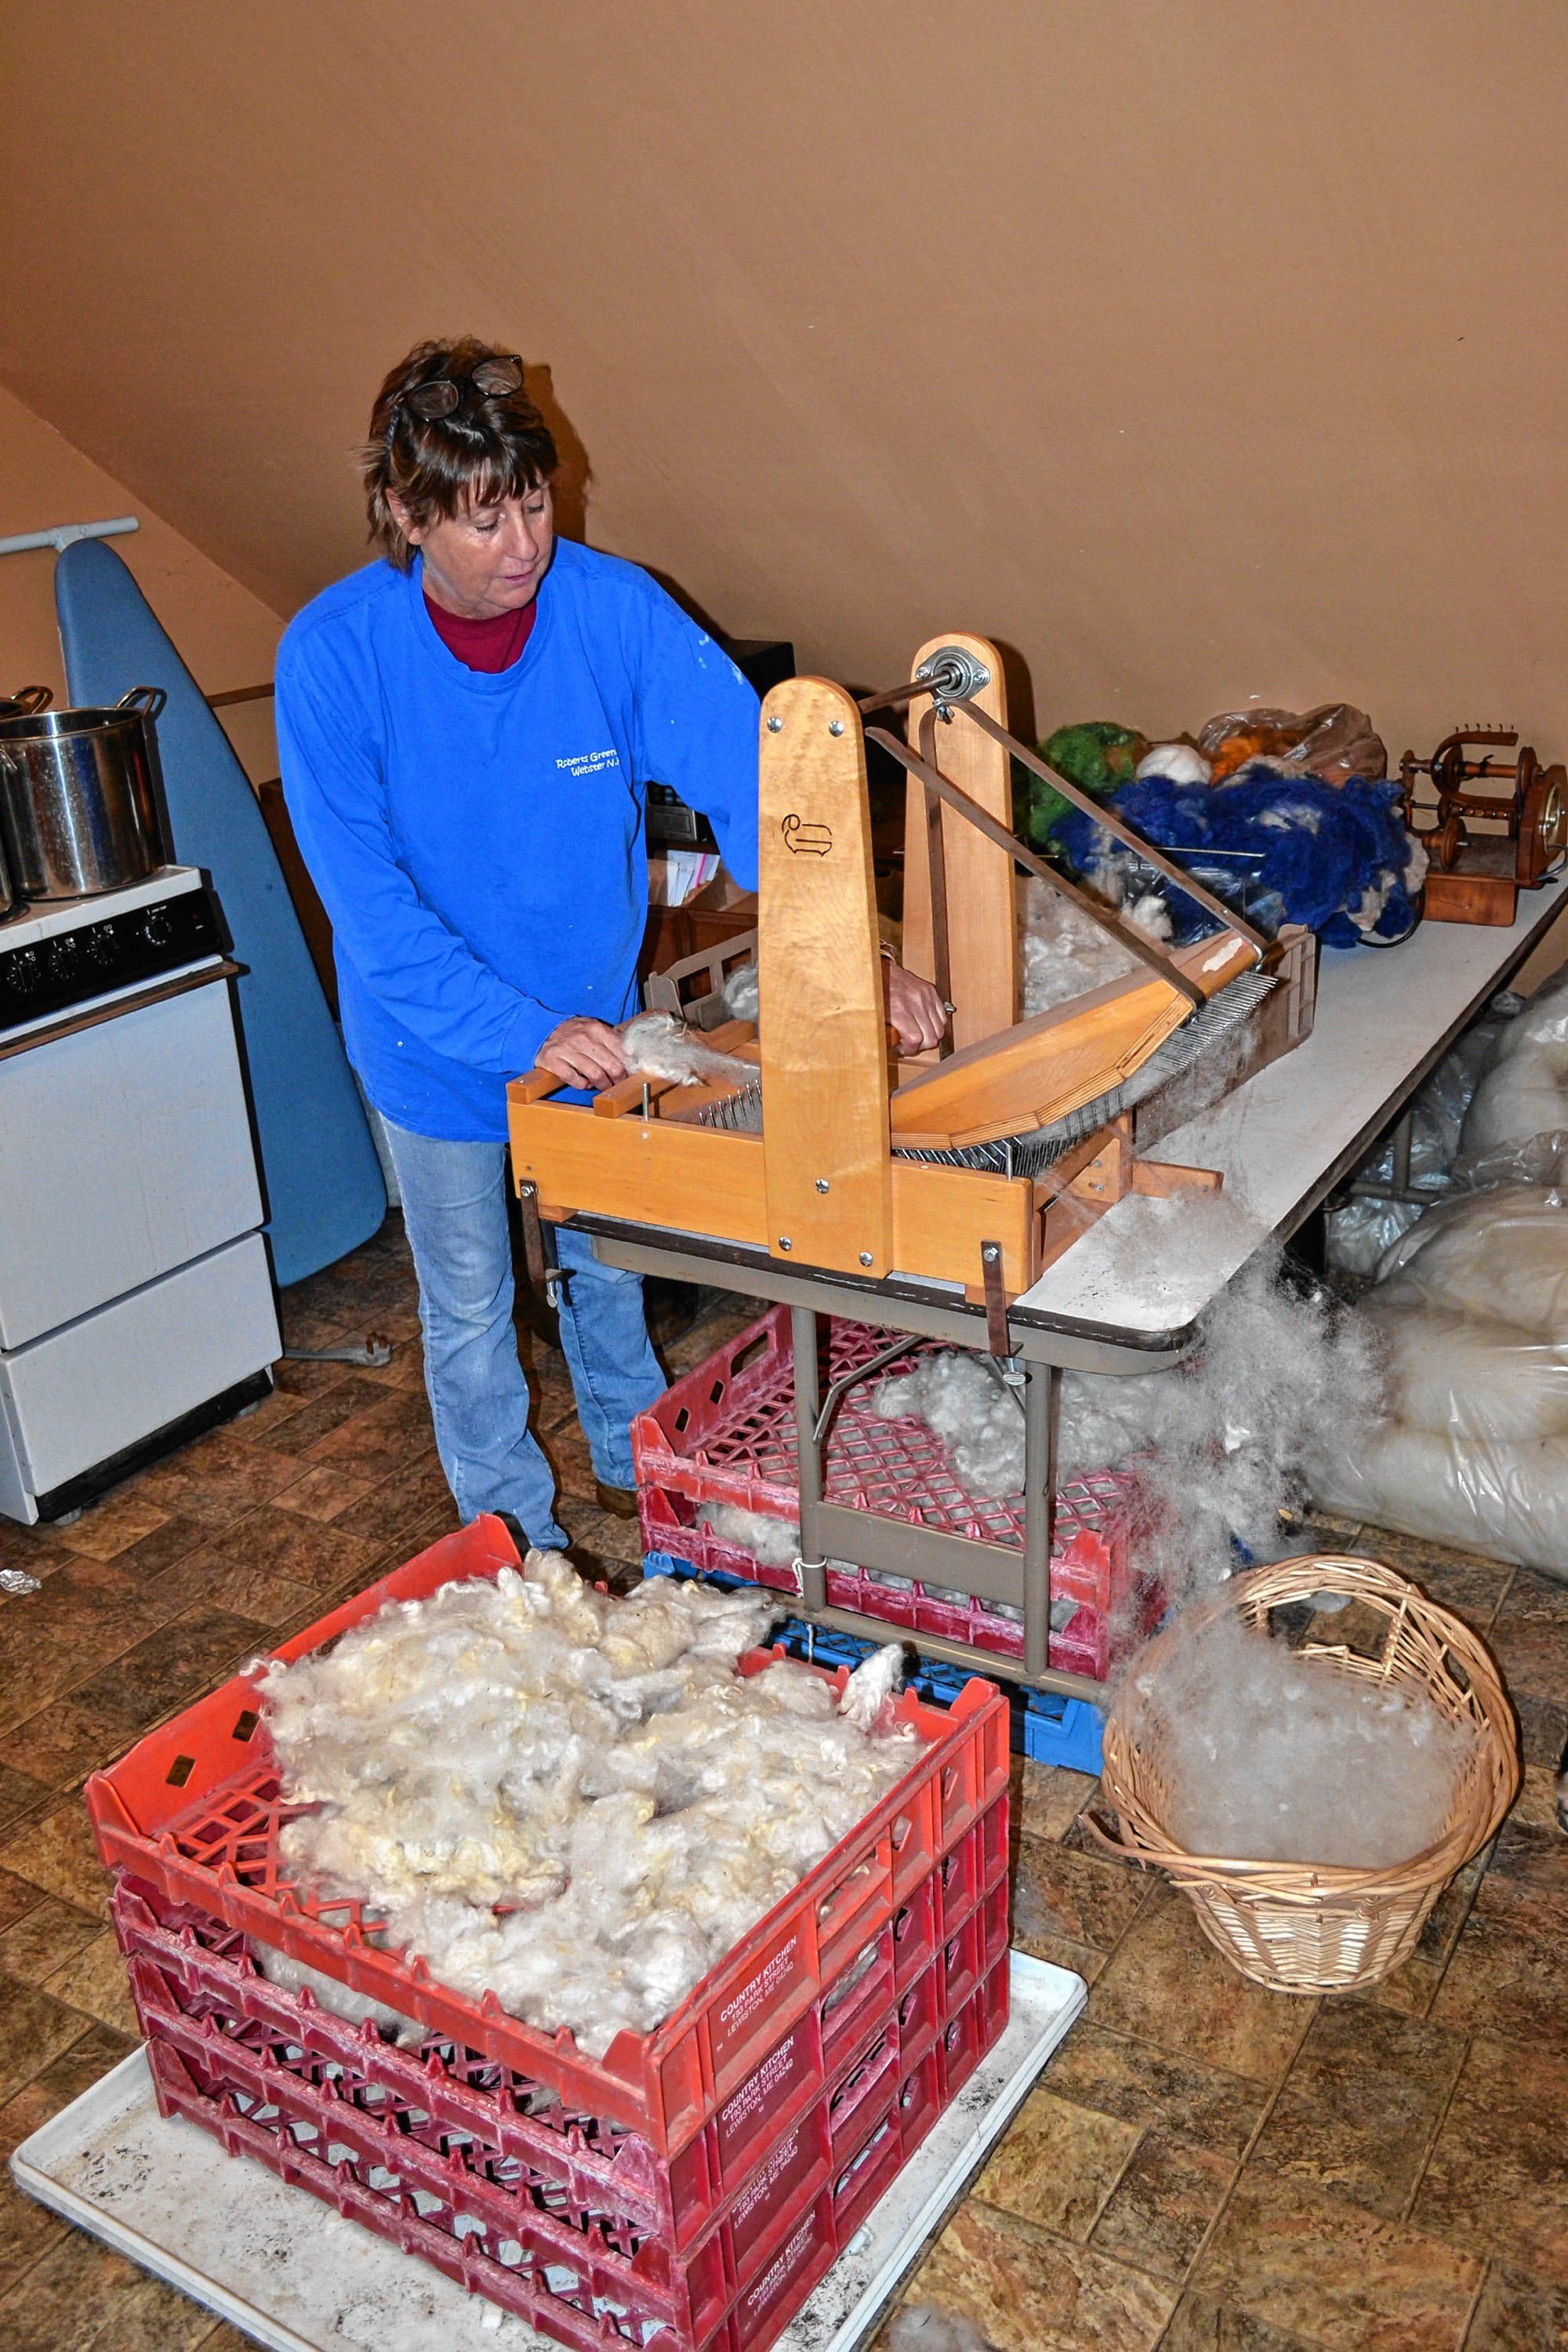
1269, 1755
1362, 1231
1471, 1316
1523, 1091
1335, 741
571, 1801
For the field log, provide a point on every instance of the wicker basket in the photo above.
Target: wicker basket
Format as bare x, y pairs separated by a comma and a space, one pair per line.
1293, 1927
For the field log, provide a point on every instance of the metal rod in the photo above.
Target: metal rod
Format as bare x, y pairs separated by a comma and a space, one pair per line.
1146, 950
1402, 1152
899, 1346
812, 1566
936, 870
1041, 1390
1114, 825
894, 695
64, 534
995, 1665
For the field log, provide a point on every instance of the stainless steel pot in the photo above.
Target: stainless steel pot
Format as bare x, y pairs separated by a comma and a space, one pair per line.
20, 705
77, 811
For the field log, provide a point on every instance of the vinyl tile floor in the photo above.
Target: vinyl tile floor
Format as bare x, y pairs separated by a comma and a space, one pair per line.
1205, 2166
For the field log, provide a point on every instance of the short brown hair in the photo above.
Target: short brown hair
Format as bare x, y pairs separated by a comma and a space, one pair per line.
494, 446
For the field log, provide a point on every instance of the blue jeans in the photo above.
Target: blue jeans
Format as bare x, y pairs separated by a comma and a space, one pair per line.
454, 1208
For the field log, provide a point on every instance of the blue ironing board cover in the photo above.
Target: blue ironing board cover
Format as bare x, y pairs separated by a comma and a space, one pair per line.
324, 1188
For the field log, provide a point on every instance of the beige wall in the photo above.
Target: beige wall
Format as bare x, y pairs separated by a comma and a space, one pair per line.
1204, 349
226, 634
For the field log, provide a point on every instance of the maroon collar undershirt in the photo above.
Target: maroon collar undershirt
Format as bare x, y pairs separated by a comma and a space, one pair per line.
492, 644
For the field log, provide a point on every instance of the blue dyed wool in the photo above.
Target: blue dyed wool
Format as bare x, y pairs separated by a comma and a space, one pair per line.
1318, 848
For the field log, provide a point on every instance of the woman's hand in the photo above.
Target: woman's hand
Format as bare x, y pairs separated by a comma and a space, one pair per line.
916, 1011
585, 1052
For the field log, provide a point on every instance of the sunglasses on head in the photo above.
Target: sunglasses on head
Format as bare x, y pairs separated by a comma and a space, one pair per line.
443, 393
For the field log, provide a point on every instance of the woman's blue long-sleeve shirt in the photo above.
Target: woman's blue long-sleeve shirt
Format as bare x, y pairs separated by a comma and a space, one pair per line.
478, 839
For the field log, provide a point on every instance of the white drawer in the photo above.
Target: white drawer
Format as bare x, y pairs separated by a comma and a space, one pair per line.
78, 1395
125, 1151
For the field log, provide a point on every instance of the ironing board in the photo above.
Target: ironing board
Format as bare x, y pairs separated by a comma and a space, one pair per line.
324, 1188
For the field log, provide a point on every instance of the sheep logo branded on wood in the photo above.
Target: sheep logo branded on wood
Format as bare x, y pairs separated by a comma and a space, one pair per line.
807, 840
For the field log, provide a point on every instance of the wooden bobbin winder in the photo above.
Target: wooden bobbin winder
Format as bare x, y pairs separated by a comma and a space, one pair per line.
1486, 846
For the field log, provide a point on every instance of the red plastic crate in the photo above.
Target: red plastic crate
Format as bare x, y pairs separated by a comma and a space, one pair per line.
193, 1810
915, 1932
466, 2186
179, 1960
919, 2012
971, 1868
579, 2294
965, 2039
919, 2100
725, 1433
971, 1951
411, 2146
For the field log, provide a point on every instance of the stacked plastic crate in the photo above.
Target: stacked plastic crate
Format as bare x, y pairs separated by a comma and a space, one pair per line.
725, 1434
1046, 1726
690, 2187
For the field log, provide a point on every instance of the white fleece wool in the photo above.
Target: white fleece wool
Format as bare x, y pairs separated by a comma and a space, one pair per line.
1177, 763
1269, 1755
572, 1801
978, 1419
740, 993
657, 1046
341, 2000
1065, 952
872, 1688
1230, 1437
774, 1542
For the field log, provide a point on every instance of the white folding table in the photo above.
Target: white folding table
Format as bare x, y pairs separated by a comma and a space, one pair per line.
1125, 1298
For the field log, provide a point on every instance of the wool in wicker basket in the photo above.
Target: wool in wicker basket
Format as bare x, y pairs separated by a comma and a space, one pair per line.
1271, 1756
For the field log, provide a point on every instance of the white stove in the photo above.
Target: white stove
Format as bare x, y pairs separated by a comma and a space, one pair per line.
136, 1300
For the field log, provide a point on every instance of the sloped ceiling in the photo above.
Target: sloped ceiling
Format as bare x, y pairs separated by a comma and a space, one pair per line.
1201, 349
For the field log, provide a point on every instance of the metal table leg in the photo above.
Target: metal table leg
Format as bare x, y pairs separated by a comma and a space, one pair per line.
1041, 1395
813, 1567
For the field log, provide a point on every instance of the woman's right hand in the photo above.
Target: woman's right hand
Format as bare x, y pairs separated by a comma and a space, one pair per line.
585, 1052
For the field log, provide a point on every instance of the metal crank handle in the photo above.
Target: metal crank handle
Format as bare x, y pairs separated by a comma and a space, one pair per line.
544, 1274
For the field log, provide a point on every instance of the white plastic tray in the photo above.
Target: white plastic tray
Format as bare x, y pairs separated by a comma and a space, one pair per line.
286, 2270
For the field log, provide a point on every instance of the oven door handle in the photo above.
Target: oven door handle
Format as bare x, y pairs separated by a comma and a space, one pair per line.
224, 969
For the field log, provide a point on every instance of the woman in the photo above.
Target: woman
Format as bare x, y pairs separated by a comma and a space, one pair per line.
467, 728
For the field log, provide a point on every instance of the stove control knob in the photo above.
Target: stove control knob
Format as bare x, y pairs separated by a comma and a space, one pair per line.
155, 926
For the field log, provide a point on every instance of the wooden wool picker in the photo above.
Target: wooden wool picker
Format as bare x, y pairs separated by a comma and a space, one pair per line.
978, 1168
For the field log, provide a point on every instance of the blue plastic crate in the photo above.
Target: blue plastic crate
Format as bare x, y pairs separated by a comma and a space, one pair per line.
1046, 1727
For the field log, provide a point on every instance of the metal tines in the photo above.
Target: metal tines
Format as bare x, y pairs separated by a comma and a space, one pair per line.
739, 1114
1214, 1030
